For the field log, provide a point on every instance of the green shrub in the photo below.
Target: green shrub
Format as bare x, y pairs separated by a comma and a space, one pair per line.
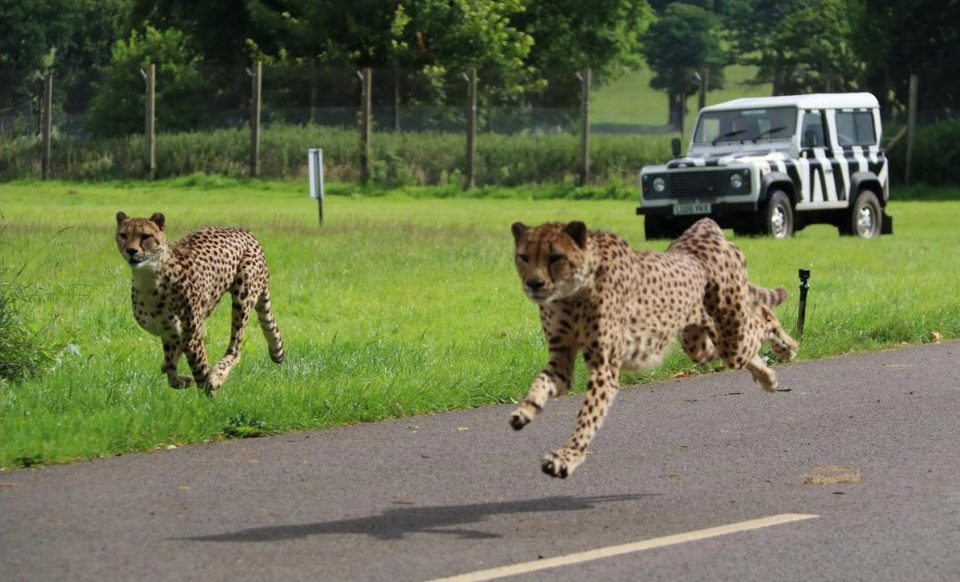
22, 353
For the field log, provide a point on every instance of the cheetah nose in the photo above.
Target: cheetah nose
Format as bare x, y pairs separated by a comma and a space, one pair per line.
131, 252
535, 283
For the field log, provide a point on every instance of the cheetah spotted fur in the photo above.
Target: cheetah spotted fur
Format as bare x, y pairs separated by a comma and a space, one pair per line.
623, 309
177, 285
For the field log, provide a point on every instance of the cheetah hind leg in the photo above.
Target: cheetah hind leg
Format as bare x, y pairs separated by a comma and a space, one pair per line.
268, 325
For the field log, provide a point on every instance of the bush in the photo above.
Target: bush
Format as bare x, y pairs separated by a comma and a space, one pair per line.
936, 155
400, 159
21, 352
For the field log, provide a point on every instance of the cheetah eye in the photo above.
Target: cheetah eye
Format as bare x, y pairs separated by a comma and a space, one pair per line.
122, 235
555, 258
145, 237
524, 258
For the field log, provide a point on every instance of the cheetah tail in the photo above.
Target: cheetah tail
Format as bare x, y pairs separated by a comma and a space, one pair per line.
771, 297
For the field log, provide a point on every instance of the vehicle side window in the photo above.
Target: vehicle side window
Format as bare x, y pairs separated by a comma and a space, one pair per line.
812, 136
855, 128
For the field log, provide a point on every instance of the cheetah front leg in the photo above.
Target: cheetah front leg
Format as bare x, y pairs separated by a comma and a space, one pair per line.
193, 348
553, 381
171, 357
602, 387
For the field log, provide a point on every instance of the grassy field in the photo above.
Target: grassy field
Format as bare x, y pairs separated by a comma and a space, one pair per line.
397, 305
630, 100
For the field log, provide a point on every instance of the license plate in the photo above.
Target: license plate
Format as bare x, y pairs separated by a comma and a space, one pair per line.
686, 209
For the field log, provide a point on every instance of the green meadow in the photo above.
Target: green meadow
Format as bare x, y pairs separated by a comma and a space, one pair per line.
401, 303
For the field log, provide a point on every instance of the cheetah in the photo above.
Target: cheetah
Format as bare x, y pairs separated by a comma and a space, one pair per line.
177, 285
623, 308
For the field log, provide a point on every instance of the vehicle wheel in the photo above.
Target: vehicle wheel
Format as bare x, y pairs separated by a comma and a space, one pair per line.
778, 216
865, 216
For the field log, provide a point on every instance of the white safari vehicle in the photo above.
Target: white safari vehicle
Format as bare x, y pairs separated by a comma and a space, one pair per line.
773, 165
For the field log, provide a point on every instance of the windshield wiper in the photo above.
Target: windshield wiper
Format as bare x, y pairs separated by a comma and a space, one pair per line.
769, 131
733, 133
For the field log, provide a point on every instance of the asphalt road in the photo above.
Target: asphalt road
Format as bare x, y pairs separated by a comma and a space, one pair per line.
867, 443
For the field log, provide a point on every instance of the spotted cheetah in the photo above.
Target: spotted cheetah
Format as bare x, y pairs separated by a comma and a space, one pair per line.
623, 308
177, 285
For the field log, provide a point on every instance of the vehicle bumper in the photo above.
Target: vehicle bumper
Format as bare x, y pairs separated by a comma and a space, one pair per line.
717, 209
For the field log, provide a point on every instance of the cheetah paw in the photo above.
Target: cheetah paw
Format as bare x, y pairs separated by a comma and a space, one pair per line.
180, 381
768, 382
561, 463
524, 415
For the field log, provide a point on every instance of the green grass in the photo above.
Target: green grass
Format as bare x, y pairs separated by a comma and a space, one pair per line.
397, 305
630, 101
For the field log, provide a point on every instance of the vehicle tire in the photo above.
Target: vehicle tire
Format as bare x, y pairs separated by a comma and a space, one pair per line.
865, 218
778, 216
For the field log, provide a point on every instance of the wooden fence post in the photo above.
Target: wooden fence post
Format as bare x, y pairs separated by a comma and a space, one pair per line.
366, 78
256, 104
704, 81
471, 127
47, 124
150, 159
911, 124
585, 78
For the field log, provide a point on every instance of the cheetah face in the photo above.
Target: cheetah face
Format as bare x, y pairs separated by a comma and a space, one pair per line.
551, 260
141, 241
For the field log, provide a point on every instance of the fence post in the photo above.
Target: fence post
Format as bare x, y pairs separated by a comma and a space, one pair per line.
366, 78
150, 160
396, 97
256, 104
471, 127
911, 124
704, 81
585, 126
47, 124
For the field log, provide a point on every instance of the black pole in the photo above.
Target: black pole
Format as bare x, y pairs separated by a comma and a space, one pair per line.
802, 307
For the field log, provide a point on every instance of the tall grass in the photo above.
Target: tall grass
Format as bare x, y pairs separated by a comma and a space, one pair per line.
427, 158
397, 305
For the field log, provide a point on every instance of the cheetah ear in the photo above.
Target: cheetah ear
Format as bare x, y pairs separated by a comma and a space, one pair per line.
158, 219
578, 232
121, 217
518, 229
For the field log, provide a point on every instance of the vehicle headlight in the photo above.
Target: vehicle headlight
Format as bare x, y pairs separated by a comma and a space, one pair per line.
736, 180
659, 184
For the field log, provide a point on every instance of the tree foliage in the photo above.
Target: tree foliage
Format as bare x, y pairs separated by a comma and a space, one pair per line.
118, 108
683, 41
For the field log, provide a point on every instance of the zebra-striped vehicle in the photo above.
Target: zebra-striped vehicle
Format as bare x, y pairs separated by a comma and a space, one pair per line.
774, 165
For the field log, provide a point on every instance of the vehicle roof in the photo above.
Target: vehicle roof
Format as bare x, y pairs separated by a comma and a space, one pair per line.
811, 101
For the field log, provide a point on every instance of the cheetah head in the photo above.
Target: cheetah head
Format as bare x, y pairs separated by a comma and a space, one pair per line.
141, 241
552, 260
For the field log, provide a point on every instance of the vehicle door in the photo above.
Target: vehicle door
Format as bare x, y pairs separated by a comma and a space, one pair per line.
818, 184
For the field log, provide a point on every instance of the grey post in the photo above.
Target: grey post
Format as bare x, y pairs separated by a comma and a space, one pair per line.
585, 78
47, 124
911, 124
471, 78
150, 161
256, 105
366, 79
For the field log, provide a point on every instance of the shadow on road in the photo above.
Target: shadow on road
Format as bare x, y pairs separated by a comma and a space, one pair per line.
394, 523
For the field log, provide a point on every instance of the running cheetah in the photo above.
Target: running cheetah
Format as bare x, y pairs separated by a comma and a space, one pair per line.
623, 308
177, 285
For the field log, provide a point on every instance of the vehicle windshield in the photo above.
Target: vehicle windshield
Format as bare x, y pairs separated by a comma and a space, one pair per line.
746, 125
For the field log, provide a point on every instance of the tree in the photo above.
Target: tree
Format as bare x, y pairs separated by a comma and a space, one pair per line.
895, 38
118, 108
683, 41
69, 37
570, 35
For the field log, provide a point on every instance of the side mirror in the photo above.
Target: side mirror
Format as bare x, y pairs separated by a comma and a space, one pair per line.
675, 145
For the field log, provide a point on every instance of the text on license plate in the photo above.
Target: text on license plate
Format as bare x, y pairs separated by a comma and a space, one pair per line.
685, 209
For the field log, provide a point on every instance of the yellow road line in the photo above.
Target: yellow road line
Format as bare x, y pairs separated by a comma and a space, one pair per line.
610, 551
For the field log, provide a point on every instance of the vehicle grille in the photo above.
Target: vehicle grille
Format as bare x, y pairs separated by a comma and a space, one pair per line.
708, 183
